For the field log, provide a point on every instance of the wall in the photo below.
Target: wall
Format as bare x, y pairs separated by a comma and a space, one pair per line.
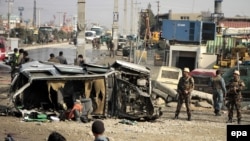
179, 50
207, 61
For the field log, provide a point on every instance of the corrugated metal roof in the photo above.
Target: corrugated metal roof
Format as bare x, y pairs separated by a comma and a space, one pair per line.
235, 24
217, 44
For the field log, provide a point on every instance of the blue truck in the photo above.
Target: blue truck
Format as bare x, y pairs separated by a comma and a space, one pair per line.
186, 31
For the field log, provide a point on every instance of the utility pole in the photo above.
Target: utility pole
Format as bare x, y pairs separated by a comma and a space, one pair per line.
39, 16
81, 28
131, 17
20, 9
9, 1
115, 24
136, 17
34, 14
59, 24
158, 10
125, 18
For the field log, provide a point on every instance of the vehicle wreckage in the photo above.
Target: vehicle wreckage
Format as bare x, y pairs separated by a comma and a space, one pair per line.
120, 90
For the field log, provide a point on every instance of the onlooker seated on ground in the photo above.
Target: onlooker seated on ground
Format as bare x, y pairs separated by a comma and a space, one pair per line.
61, 58
53, 58
80, 61
55, 136
98, 130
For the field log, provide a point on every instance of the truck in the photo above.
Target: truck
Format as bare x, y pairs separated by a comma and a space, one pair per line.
185, 31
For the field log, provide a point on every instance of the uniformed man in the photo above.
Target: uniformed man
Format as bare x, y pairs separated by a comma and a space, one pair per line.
219, 90
184, 89
234, 96
111, 48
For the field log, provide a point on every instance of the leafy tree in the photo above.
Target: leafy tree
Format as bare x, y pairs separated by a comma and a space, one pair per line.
55, 34
62, 35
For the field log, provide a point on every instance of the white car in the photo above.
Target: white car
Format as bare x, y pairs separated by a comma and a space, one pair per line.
90, 36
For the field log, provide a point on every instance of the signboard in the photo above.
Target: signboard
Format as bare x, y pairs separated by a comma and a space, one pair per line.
236, 31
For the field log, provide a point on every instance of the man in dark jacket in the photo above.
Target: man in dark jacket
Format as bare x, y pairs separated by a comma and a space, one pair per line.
219, 90
61, 58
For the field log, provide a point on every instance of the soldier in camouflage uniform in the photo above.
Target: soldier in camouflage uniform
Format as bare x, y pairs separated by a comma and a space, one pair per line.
184, 88
234, 96
219, 90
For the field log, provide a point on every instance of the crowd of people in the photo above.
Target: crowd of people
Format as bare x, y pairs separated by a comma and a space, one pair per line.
21, 56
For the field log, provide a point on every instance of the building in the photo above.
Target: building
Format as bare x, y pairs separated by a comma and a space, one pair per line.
205, 55
14, 21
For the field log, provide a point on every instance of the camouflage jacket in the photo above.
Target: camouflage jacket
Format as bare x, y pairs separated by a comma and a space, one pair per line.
235, 86
185, 84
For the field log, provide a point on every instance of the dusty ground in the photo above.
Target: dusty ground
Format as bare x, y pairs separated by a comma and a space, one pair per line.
204, 126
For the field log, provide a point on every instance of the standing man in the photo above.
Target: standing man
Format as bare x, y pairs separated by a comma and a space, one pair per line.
20, 57
235, 86
184, 88
219, 90
13, 63
111, 48
61, 58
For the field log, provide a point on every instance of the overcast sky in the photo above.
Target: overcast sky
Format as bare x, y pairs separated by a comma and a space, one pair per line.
100, 11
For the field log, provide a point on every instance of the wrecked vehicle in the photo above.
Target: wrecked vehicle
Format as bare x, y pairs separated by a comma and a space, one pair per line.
165, 85
202, 79
120, 90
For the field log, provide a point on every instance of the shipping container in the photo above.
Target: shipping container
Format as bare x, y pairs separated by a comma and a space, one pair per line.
188, 31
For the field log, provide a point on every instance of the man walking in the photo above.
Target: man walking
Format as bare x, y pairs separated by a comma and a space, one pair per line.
61, 58
184, 88
111, 48
53, 58
235, 86
219, 89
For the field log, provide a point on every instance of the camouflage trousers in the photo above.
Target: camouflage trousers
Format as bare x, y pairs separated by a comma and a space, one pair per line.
234, 102
187, 99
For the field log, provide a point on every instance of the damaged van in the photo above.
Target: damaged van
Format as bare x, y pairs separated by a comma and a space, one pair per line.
121, 90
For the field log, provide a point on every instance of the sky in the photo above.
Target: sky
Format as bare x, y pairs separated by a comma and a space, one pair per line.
101, 11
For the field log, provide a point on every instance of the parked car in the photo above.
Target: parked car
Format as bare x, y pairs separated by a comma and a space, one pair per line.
90, 36
122, 42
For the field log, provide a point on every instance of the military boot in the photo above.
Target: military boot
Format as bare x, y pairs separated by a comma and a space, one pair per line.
176, 116
189, 118
239, 121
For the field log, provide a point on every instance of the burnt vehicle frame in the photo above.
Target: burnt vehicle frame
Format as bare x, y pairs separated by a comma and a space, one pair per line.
123, 90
